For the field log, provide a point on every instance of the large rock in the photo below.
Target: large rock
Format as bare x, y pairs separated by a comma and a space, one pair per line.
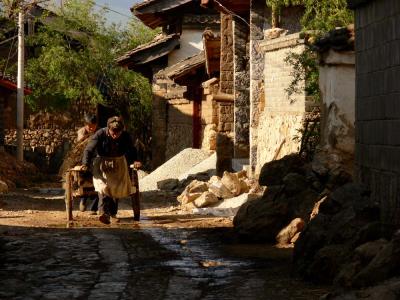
220, 190
286, 235
206, 199
384, 265
272, 173
341, 217
261, 219
231, 181
186, 198
168, 184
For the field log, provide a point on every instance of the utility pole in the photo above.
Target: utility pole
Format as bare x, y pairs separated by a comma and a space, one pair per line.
20, 87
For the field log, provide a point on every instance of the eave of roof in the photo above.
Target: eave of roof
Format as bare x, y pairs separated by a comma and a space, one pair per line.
183, 67
12, 86
212, 49
153, 12
228, 6
148, 52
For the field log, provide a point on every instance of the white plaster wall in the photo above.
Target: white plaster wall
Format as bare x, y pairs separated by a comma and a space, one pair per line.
278, 135
191, 43
337, 85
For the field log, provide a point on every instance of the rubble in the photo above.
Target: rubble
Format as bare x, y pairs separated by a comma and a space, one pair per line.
14, 173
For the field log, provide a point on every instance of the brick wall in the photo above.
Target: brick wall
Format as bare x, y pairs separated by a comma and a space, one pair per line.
282, 116
378, 103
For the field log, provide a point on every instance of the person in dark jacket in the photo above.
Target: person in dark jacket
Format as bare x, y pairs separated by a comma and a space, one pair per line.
83, 134
115, 152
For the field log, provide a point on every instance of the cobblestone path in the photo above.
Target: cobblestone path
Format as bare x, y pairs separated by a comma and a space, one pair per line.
134, 264
151, 260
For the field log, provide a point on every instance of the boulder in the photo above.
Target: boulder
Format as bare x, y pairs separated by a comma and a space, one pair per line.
206, 199
197, 186
261, 219
244, 188
220, 190
168, 184
272, 173
186, 197
366, 252
384, 265
285, 236
231, 181
294, 183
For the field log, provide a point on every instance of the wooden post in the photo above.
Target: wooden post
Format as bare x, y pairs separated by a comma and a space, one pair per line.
68, 196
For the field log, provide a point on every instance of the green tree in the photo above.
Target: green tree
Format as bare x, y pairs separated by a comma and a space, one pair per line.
75, 55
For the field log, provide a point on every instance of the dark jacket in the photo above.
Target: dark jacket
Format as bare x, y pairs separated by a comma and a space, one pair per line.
104, 145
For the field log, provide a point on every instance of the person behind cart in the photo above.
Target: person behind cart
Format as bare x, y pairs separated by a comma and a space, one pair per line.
111, 176
83, 134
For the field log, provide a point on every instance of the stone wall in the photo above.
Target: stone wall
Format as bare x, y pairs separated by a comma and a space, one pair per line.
377, 103
180, 127
217, 114
337, 85
163, 89
226, 70
258, 15
241, 89
283, 116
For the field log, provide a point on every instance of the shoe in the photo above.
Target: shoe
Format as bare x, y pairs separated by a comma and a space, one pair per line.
82, 205
105, 219
136, 218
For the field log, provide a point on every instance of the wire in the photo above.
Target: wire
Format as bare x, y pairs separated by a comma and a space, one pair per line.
109, 9
232, 13
9, 53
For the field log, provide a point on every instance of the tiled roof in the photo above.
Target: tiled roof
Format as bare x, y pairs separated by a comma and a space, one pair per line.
150, 51
183, 67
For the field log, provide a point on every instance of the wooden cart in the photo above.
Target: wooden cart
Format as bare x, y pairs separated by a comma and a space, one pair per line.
79, 184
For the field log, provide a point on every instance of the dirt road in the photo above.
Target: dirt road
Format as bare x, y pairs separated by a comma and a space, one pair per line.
168, 255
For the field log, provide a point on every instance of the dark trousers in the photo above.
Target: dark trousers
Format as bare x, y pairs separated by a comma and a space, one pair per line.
94, 204
107, 205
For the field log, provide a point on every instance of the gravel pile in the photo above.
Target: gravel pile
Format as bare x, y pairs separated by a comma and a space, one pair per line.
208, 166
173, 168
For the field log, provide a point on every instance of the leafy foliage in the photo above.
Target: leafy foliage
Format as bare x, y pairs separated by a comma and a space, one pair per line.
305, 69
75, 60
326, 15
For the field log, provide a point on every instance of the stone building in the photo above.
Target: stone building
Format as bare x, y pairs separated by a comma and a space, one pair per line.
244, 77
253, 71
175, 63
377, 26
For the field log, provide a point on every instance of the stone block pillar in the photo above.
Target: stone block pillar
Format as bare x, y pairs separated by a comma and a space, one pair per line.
241, 88
258, 14
226, 76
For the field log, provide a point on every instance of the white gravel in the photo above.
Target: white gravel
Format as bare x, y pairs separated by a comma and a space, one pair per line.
173, 168
208, 165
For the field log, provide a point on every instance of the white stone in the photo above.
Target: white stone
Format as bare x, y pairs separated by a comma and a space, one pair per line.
220, 190
231, 181
206, 199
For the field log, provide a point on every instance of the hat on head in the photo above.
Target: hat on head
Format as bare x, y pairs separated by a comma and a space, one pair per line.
115, 124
